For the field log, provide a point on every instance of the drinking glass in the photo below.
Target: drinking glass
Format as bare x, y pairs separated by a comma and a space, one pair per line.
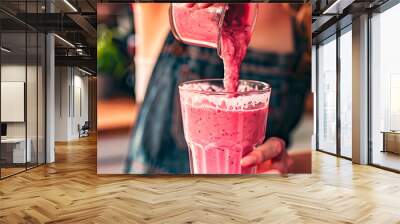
222, 127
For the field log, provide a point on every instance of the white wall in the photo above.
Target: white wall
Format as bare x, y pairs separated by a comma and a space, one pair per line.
81, 94
13, 101
13, 72
71, 93
61, 103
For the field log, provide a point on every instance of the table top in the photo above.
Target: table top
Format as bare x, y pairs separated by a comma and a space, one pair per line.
116, 114
391, 132
13, 140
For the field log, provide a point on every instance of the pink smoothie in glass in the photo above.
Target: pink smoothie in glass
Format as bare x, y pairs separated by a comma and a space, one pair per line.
221, 129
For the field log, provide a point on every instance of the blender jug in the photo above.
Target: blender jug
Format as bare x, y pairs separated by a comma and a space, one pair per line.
203, 26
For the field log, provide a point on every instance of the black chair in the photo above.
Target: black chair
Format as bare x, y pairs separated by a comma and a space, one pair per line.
84, 130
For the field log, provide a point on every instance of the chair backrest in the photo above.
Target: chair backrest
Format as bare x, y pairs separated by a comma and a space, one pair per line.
86, 124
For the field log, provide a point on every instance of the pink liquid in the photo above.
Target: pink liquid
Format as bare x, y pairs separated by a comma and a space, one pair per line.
235, 38
197, 26
219, 138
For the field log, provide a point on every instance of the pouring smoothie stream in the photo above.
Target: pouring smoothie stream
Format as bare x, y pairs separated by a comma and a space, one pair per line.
235, 38
227, 27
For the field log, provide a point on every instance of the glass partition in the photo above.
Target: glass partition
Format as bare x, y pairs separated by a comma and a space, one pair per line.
13, 103
41, 109
41, 88
32, 87
22, 77
31, 99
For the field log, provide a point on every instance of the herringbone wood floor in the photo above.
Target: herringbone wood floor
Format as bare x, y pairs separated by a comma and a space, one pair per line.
70, 191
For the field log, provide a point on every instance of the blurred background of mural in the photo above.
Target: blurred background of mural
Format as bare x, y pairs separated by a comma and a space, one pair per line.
115, 67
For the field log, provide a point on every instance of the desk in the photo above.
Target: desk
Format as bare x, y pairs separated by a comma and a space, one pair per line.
17, 150
391, 141
116, 119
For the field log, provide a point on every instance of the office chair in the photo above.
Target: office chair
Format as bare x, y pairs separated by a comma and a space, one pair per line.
84, 130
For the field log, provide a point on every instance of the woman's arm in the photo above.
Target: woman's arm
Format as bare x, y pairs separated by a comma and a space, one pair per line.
152, 27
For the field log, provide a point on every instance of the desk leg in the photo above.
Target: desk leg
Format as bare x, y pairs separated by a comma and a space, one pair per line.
384, 142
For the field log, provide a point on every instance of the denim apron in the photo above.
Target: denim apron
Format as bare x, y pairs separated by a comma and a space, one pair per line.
157, 142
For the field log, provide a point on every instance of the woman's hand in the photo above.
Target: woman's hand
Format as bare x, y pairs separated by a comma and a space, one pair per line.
270, 157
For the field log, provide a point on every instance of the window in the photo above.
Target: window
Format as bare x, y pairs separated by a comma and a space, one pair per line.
385, 89
326, 96
346, 95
